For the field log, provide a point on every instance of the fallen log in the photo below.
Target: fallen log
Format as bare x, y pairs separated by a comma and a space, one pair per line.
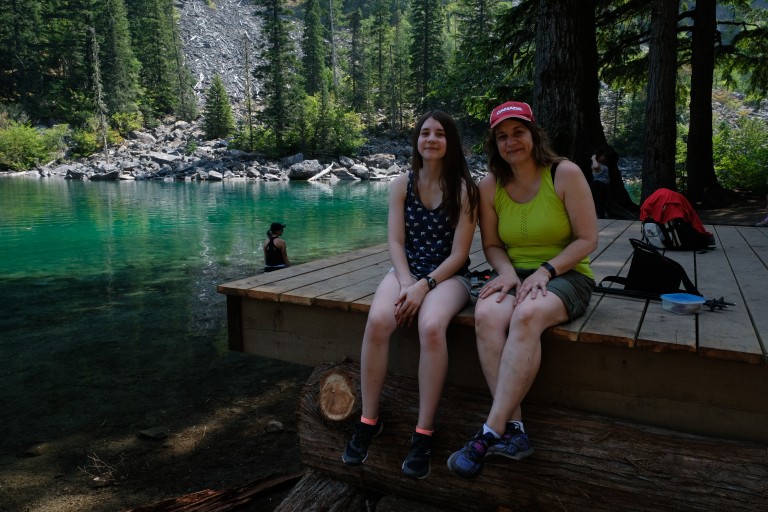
255, 494
583, 461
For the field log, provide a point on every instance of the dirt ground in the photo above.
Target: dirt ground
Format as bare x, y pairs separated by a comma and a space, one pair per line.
231, 422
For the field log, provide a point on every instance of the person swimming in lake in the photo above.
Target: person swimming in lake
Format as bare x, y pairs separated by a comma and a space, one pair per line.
275, 249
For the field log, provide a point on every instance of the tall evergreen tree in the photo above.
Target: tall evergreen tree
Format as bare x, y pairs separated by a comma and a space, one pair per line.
399, 66
218, 121
313, 47
379, 49
166, 82
427, 50
660, 115
21, 43
98, 90
358, 69
282, 90
119, 66
474, 63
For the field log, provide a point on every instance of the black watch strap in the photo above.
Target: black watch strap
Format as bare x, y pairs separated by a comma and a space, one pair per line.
550, 269
430, 282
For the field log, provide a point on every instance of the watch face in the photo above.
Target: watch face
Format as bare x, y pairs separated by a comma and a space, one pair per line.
431, 282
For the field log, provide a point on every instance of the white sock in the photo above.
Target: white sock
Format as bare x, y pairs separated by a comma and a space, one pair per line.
518, 424
487, 429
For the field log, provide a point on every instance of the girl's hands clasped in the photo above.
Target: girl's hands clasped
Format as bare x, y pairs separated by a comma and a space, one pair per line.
409, 301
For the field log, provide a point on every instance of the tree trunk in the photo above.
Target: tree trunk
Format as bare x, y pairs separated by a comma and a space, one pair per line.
582, 461
566, 83
660, 124
702, 180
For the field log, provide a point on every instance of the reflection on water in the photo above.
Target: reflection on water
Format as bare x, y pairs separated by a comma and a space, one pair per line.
105, 283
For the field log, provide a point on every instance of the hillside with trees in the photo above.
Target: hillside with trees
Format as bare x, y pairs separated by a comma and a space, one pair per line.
315, 76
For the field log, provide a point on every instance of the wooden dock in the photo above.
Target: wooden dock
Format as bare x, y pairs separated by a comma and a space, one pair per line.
626, 358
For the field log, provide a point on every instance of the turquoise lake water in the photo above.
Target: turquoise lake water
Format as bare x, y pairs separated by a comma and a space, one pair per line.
108, 281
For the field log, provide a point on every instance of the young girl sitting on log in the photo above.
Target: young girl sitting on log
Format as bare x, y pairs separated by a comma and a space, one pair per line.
432, 219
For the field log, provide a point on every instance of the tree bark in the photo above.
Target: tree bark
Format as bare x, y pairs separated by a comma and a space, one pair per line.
660, 124
582, 461
702, 181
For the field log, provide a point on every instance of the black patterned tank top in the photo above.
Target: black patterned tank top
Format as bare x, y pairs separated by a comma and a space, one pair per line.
428, 235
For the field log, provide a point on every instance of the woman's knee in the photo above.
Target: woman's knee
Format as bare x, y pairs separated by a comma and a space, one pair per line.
490, 316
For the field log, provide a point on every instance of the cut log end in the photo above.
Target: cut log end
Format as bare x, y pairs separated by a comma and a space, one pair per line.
337, 396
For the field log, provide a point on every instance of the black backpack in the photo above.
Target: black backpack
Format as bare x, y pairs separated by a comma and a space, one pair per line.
676, 234
650, 275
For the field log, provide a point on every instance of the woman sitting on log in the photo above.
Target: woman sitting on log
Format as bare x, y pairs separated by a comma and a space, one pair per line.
538, 228
432, 218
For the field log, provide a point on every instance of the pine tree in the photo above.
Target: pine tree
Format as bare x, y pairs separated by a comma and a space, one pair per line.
20, 57
313, 47
119, 66
282, 88
218, 121
164, 78
427, 51
359, 97
98, 90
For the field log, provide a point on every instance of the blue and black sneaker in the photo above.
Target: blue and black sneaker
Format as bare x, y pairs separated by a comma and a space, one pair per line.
417, 463
356, 450
514, 444
468, 462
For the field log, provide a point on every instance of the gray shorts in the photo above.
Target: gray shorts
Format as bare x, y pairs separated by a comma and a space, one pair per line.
462, 279
573, 288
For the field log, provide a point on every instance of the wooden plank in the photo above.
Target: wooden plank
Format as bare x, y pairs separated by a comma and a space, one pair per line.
328, 270
663, 331
757, 239
323, 286
609, 319
241, 286
736, 273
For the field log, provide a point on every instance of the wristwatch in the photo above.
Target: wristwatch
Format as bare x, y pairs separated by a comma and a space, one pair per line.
550, 269
430, 282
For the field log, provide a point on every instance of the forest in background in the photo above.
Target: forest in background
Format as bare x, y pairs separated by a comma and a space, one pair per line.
639, 75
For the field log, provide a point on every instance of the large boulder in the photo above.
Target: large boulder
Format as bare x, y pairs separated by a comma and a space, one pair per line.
304, 170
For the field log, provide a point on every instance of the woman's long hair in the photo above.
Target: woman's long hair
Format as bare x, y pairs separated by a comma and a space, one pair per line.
542, 153
455, 168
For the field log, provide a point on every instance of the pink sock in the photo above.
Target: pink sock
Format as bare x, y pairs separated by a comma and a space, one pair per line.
424, 432
368, 421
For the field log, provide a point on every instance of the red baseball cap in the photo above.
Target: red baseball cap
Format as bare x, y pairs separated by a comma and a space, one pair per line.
512, 109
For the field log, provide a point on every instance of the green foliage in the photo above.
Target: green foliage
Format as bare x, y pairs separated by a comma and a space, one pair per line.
126, 122
328, 129
740, 154
84, 143
21, 147
87, 140
217, 118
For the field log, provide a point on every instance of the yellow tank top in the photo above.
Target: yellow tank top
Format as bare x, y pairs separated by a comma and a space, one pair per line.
536, 231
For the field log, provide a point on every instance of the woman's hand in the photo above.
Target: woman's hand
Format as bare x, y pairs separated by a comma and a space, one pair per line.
501, 284
533, 284
409, 301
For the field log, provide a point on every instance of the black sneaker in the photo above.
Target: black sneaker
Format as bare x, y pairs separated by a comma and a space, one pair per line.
416, 464
469, 461
357, 448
